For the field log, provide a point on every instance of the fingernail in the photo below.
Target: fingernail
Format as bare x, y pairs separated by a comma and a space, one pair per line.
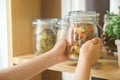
95, 40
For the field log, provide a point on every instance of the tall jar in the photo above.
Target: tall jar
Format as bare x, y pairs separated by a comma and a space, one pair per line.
44, 37
110, 43
82, 28
62, 29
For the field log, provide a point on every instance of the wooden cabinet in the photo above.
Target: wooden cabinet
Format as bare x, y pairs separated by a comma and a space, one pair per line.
20, 14
51, 8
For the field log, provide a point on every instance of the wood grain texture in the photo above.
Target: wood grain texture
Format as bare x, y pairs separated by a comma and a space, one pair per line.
51, 75
37, 77
23, 13
51, 9
104, 68
20, 14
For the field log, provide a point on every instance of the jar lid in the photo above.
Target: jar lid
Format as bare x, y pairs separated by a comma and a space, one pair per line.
84, 14
53, 22
62, 22
39, 22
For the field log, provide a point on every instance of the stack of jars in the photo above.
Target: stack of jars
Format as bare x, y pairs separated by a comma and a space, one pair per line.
46, 32
79, 27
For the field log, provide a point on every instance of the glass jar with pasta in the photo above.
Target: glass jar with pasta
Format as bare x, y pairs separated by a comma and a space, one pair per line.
82, 28
44, 37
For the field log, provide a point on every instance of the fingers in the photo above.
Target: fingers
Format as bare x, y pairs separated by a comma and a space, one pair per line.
94, 41
62, 40
97, 41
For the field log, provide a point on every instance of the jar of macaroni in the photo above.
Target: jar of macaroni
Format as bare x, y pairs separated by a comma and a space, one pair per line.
83, 27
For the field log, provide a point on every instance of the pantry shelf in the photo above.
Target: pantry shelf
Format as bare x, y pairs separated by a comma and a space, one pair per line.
104, 68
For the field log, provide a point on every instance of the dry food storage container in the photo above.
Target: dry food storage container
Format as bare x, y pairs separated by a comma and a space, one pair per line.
53, 25
82, 28
107, 41
44, 37
62, 25
90, 13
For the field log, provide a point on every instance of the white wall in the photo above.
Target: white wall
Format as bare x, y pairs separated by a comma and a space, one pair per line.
3, 35
65, 7
78, 5
114, 6
72, 5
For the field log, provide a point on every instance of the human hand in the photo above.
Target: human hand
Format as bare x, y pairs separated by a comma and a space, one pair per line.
91, 51
60, 49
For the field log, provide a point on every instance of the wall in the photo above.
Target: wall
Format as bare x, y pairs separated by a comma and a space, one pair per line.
3, 35
100, 6
114, 6
78, 5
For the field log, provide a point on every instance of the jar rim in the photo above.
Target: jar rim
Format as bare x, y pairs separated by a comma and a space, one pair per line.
62, 22
84, 13
43, 21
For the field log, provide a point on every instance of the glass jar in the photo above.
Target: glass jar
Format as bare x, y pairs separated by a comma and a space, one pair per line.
53, 25
82, 28
107, 41
106, 21
44, 37
84, 13
62, 28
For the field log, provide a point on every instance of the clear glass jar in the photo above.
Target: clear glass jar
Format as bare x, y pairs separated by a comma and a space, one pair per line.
107, 41
84, 13
44, 37
82, 28
106, 21
53, 25
62, 28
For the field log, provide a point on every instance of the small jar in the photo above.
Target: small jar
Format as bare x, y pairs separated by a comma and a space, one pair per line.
44, 37
106, 21
107, 41
82, 28
62, 28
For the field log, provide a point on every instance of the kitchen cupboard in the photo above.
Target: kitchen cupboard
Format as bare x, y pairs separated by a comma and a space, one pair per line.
20, 14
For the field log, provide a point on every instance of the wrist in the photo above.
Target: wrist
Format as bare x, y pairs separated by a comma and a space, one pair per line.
58, 57
82, 70
84, 62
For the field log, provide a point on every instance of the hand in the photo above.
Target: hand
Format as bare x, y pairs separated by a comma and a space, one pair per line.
91, 51
60, 49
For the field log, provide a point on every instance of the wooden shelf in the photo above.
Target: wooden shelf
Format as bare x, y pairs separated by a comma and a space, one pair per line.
104, 68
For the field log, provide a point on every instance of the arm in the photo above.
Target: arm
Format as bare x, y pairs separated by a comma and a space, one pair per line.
37, 65
89, 53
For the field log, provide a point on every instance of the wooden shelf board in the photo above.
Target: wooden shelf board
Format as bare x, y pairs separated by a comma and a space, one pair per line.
104, 68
